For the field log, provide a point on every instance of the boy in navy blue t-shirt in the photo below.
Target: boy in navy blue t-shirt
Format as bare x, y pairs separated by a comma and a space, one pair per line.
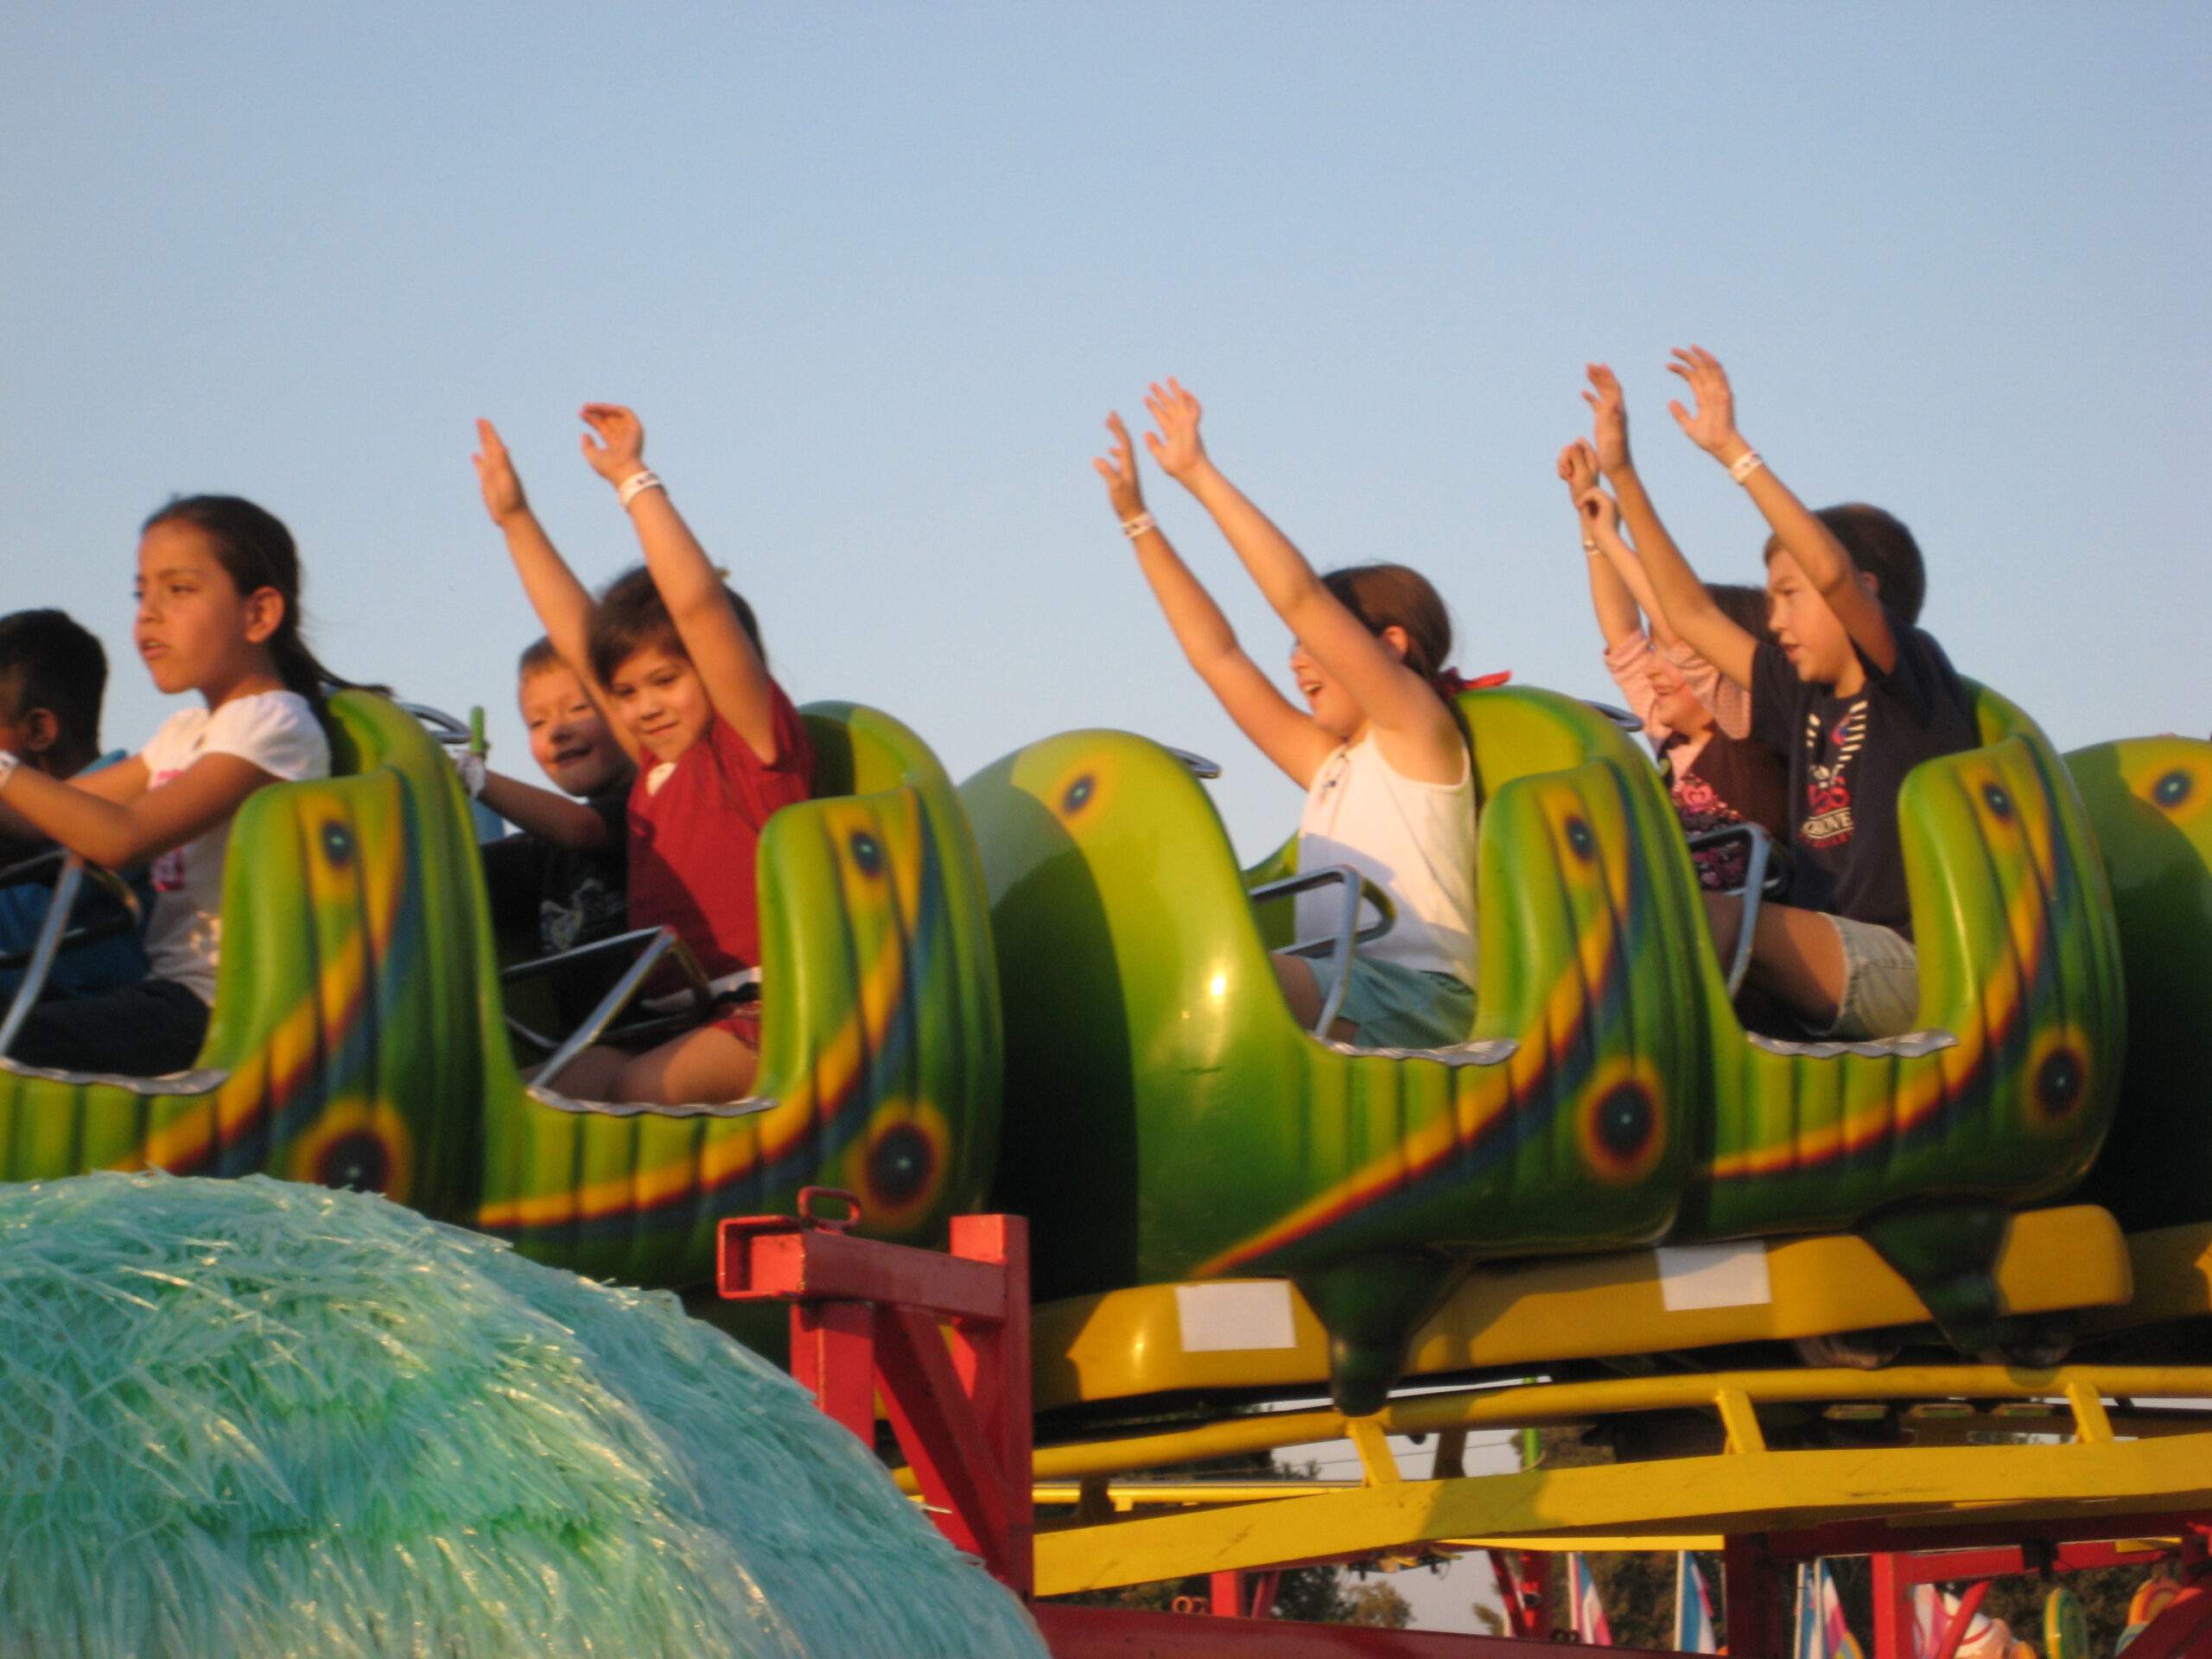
1852, 694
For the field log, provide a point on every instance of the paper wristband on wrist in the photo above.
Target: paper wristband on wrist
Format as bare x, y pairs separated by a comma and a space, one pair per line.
636, 485
1137, 527
1744, 465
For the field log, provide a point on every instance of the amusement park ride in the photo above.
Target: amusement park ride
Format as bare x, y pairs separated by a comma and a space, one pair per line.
1918, 1300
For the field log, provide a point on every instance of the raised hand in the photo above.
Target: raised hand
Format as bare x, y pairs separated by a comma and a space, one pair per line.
496, 476
1176, 447
1599, 512
1119, 468
617, 451
1578, 465
1610, 424
1712, 424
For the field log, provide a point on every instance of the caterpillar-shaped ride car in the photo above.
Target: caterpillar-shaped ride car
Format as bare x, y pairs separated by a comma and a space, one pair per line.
1168, 1121
359, 1033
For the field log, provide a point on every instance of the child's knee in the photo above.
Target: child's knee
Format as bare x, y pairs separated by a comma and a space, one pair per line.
1724, 914
1300, 988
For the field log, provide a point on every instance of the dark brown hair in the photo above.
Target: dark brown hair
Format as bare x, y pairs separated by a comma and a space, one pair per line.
630, 617
48, 660
1391, 595
1744, 605
257, 551
1879, 544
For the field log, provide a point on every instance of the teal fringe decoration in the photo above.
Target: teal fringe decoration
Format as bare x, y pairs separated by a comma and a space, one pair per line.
251, 1420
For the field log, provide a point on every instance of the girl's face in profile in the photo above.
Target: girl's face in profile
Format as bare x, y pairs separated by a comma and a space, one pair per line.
1332, 707
660, 696
1675, 704
193, 628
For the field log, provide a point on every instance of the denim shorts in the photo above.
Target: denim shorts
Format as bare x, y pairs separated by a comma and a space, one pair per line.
1881, 983
1397, 1007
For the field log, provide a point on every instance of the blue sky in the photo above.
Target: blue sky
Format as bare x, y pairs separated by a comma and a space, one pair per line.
873, 275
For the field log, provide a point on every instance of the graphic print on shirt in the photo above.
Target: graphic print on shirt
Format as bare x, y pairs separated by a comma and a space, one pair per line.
1828, 789
168, 868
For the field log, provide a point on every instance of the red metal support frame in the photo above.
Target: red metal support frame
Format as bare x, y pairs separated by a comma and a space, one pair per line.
1115, 1633
1894, 1620
1756, 1600
943, 1338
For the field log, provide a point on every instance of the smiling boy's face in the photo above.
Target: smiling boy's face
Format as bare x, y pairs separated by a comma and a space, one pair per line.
567, 737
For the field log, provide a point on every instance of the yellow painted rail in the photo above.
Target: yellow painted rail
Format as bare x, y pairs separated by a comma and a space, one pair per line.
1125, 1344
1659, 1503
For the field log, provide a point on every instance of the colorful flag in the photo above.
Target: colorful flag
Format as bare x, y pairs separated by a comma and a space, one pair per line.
1591, 1627
1692, 1608
1821, 1633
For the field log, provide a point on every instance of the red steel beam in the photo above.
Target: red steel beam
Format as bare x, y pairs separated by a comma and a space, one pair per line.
1073, 1632
1876, 1538
777, 1262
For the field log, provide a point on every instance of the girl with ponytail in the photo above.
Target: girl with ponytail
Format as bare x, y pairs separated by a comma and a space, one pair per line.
1389, 784
218, 615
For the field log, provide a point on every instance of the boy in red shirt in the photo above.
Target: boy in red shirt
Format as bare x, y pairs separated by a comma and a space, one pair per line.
674, 657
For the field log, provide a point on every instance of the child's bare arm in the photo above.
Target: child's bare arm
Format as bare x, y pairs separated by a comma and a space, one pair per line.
115, 819
562, 603
1283, 732
735, 677
1620, 613
1711, 427
550, 816
1679, 598
1415, 728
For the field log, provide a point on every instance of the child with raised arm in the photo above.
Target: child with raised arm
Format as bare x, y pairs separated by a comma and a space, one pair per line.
674, 659
1389, 785
1716, 778
1849, 690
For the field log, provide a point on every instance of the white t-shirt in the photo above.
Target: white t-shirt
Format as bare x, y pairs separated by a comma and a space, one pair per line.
1414, 841
277, 732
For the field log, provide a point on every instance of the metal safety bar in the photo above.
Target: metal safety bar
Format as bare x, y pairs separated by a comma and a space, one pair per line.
1628, 722
1196, 765
1758, 886
454, 734
55, 933
659, 942
1339, 944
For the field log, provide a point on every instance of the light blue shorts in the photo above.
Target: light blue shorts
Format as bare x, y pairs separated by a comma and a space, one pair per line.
1397, 1007
1881, 983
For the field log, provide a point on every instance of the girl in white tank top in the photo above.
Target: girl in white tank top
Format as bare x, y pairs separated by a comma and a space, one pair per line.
1389, 784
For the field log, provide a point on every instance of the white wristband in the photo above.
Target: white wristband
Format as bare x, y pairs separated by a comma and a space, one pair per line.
636, 485
8, 764
1591, 548
1744, 465
1137, 527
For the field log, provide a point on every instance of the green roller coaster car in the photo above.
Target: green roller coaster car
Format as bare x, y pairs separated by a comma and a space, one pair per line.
359, 1033
1172, 1122
2150, 800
